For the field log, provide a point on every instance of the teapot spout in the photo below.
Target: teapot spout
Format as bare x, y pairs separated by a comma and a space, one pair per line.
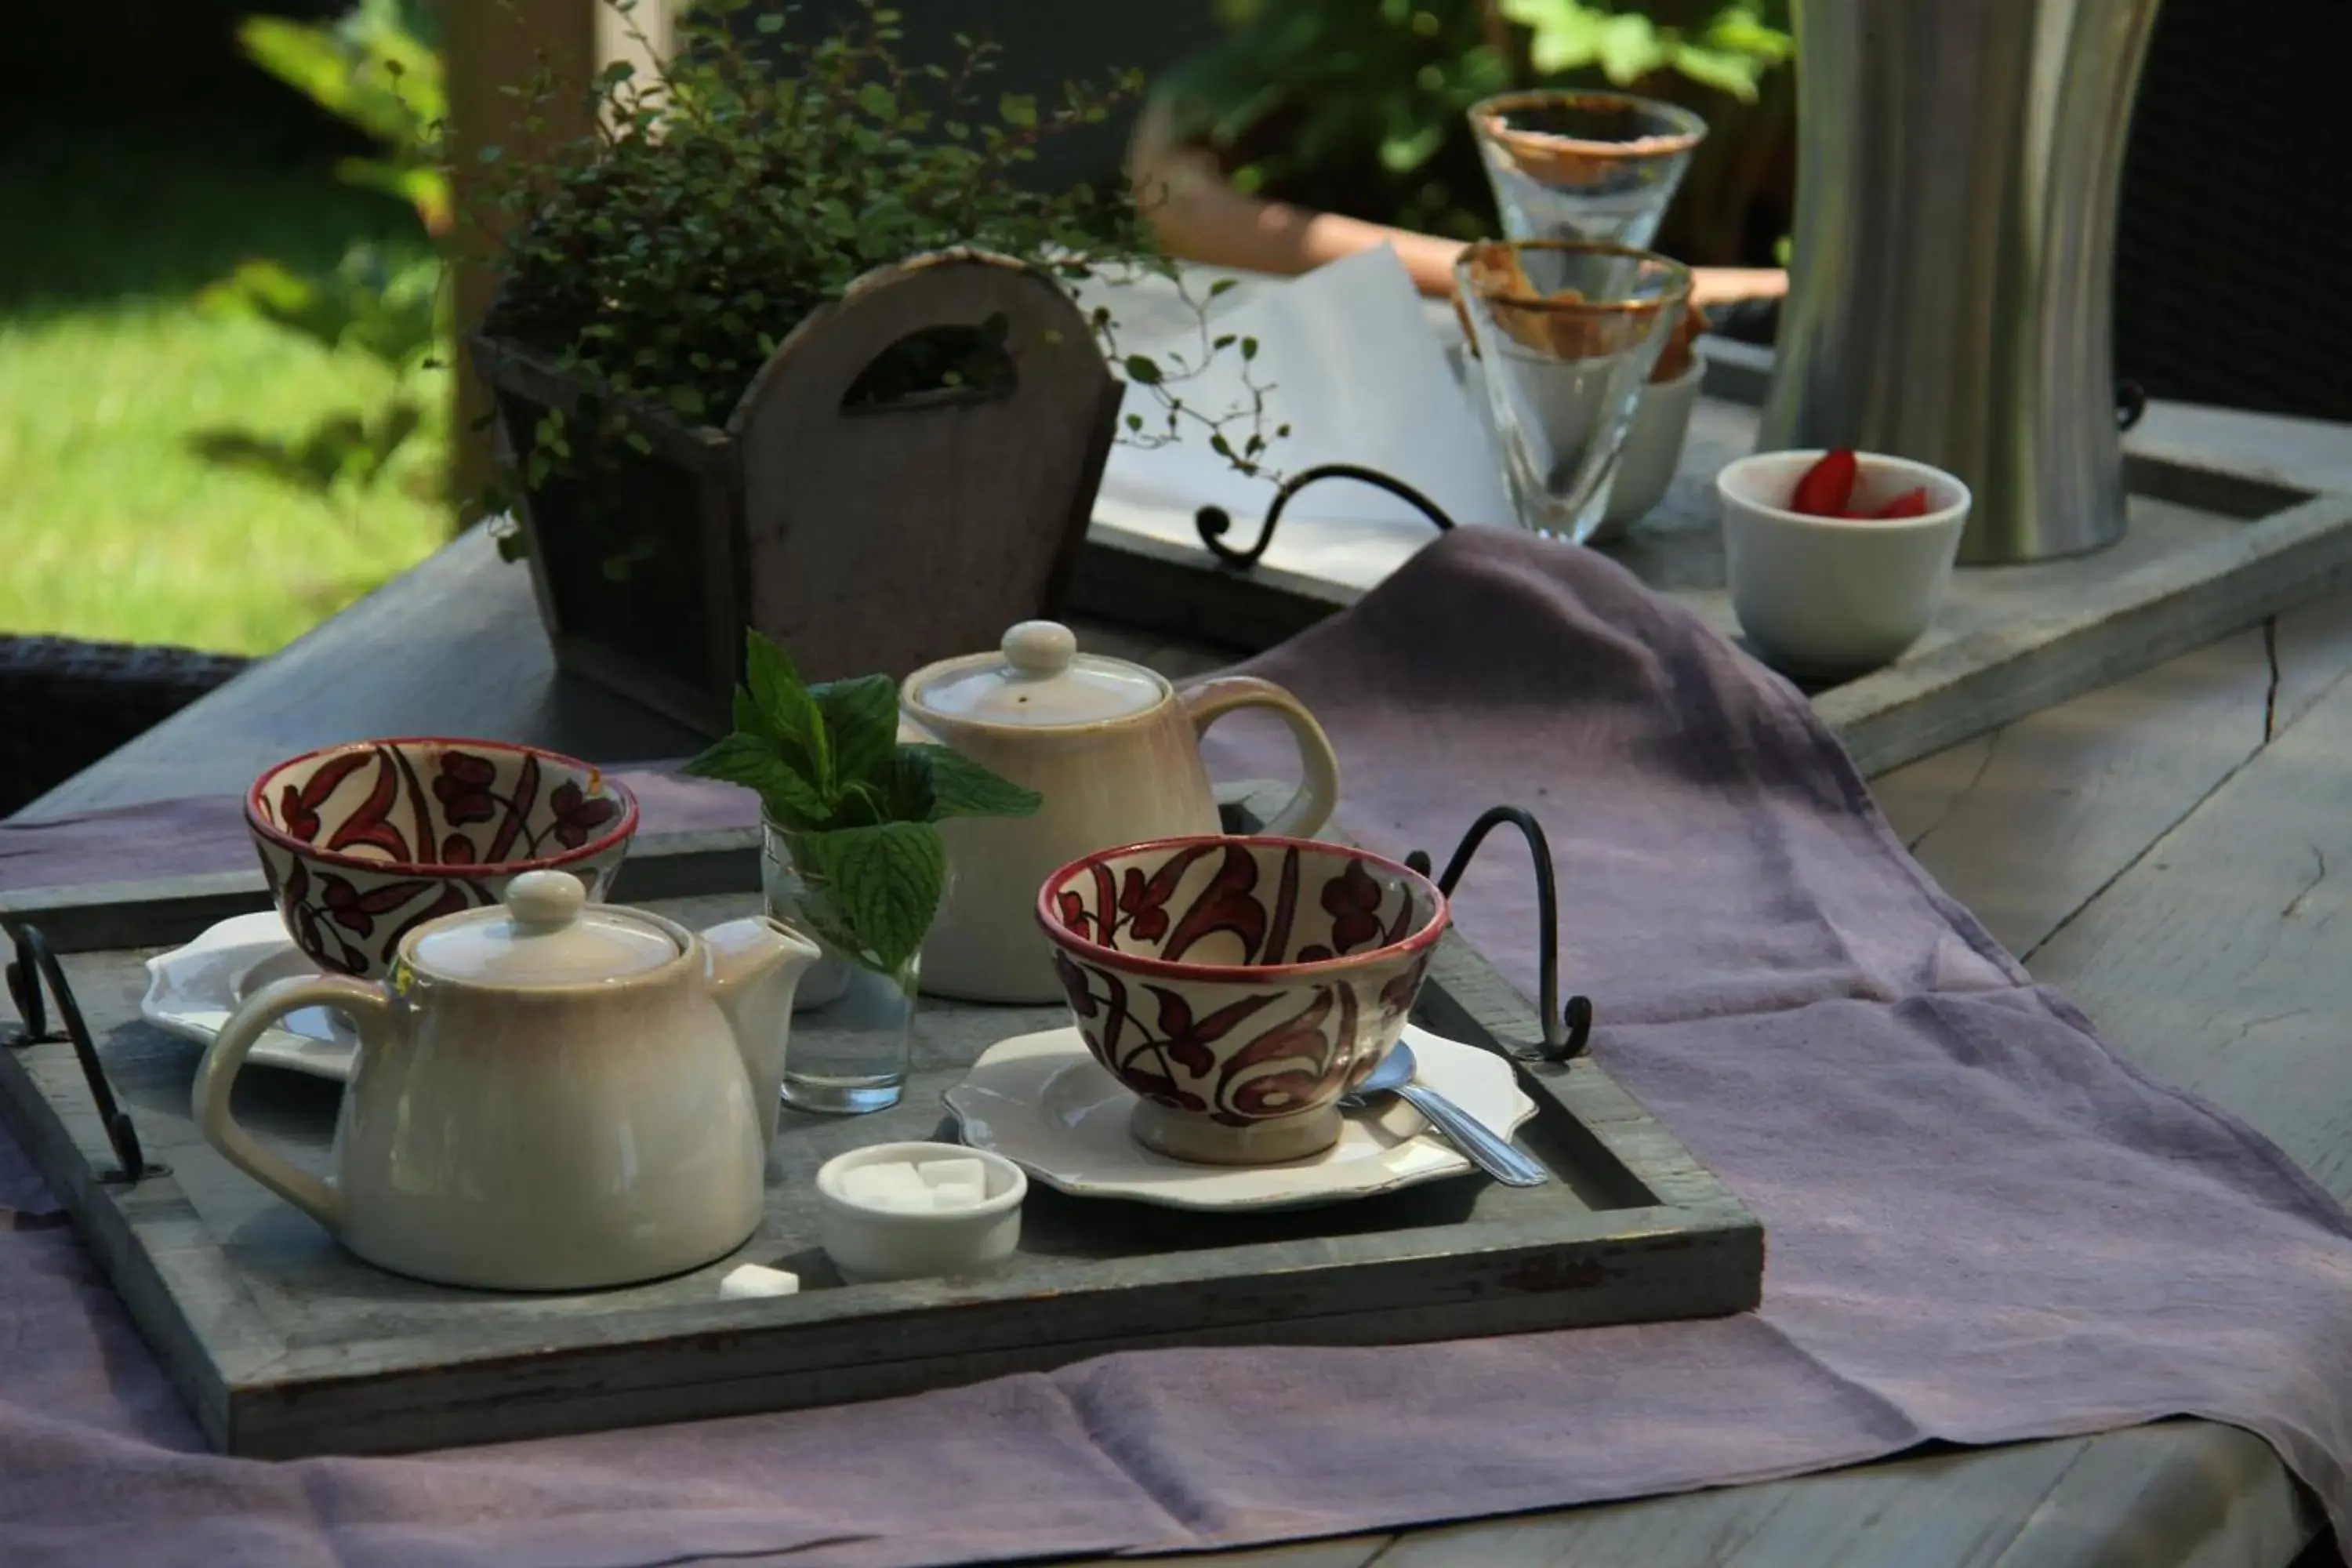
755, 965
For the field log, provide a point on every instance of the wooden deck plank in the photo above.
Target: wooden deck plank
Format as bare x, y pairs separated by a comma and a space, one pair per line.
2026, 823
2214, 962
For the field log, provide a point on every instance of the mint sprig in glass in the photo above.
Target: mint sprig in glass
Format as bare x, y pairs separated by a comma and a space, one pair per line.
855, 859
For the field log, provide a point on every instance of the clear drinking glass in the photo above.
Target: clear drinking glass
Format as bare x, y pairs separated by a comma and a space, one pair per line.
1583, 165
852, 1023
1565, 334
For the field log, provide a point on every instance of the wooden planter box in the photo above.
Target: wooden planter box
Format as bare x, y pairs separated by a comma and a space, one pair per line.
862, 539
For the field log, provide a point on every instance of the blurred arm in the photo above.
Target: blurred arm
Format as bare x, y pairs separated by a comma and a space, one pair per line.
1199, 217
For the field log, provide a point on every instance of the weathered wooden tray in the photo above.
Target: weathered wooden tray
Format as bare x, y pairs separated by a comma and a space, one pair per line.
283, 1344
2208, 550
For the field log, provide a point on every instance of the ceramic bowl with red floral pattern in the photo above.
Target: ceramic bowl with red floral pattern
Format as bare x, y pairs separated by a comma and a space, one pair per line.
1240, 985
365, 841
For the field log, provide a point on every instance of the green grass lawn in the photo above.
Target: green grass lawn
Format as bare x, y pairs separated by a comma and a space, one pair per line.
111, 525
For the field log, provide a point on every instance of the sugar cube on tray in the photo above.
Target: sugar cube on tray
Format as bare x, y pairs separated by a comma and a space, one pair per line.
752, 1281
928, 1186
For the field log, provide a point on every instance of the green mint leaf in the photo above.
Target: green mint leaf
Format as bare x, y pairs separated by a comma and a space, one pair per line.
962, 787
883, 884
911, 794
861, 724
754, 762
781, 709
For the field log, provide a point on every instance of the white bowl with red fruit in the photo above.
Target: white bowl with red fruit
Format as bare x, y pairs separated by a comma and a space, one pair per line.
1838, 560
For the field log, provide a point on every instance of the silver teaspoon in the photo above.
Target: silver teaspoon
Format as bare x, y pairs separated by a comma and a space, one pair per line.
1491, 1154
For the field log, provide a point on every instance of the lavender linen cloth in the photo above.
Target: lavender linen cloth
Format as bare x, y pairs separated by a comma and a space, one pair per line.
1983, 1226
195, 836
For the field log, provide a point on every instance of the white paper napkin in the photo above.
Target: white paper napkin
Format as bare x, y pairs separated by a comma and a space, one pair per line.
1360, 377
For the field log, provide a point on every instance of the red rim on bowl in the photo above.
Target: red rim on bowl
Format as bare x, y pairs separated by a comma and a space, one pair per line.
621, 830
1426, 935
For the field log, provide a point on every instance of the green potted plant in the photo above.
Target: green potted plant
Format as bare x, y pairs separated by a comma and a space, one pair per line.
853, 856
784, 344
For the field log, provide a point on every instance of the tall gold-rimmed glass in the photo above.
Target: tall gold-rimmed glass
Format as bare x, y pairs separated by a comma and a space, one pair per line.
1565, 333
1567, 164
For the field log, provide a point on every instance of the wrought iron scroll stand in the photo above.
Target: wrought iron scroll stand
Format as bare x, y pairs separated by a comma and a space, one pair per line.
1213, 522
33, 966
1566, 1028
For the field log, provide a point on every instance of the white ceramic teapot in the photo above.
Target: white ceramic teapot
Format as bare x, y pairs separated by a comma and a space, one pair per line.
548, 1096
1115, 751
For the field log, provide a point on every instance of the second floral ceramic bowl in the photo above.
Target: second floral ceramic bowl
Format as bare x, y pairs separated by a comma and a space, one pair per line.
1240, 985
363, 841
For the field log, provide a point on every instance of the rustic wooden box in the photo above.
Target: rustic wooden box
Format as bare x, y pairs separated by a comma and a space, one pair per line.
861, 537
284, 1344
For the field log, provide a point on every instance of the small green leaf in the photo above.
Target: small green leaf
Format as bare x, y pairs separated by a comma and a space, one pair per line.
910, 794
782, 707
788, 798
1018, 108
1143, 370
884, 882
962, 787
877, 100
1249, 348
861, 721
771, 23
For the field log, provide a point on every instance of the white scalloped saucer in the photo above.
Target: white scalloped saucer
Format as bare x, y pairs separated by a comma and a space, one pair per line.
192, 990
1046, 1105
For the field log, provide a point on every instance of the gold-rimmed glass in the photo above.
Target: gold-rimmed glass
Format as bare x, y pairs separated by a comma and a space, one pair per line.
1567, 164
1565, 333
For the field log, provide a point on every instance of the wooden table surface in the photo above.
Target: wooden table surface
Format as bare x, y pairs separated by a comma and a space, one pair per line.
2161, 849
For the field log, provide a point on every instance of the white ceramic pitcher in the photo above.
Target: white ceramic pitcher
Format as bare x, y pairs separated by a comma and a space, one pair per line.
1115, 751
548, 1096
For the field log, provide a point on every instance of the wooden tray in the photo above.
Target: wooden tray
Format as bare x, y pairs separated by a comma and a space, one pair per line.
284, 1344
2208, 550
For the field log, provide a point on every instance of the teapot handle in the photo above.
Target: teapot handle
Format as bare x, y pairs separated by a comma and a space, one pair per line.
1319, 786
366, 1007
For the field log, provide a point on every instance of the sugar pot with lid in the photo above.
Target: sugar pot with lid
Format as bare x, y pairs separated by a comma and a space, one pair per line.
548, 1095
1115, 751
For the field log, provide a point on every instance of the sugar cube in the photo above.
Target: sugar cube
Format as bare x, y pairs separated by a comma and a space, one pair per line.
958, 1195
894, 1185
960, 1172
753, 1280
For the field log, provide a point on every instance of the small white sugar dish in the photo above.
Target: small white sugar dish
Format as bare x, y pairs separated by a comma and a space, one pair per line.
908, 1211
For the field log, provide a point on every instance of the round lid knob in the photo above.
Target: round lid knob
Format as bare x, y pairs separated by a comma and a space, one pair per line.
543, 933
1039, 648
1036, 677
544, 898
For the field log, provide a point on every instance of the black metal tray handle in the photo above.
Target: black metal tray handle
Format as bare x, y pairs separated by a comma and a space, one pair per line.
34, 965
1566, 1028
1213, 522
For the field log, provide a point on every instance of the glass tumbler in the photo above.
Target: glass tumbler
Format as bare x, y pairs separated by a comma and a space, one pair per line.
1583, 165
852, 1023
1565, 334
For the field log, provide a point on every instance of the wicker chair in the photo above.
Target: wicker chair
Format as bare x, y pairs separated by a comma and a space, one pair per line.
64, 704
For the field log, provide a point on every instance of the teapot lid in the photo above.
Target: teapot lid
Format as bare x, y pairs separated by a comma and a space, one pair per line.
1039, 678
544, 934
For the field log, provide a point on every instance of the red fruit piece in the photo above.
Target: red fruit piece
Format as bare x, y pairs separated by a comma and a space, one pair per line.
1910, 503
1827, 487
